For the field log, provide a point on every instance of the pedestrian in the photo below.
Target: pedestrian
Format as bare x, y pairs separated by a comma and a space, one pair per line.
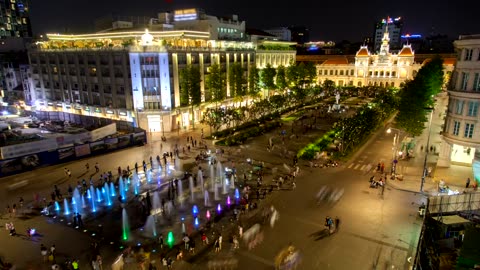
69, 173
204, 239
14, 210
217, 246
186, 241
240, 231
87, 166
65, 171
468, 183
294, 185
192, 246
160, 241
220, 239
43, 252
52, 249
95, 265
8, 211
97, 168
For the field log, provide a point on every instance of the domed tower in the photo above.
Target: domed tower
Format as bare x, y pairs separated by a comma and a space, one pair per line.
362, 60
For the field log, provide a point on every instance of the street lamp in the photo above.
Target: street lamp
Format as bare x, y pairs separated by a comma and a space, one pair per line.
396, 139
424, 175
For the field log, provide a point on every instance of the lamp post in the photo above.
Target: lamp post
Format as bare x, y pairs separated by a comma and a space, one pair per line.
424, 175
396, 139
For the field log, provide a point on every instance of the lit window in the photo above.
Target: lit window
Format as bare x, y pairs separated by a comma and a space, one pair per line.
456, 128
469, 130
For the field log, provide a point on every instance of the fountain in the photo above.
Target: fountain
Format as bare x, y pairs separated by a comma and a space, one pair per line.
219, 209
78, 200
57, 206
135, 183
149, 176
84, 205
220, 173
212, 178
66, 210
89, 195
170, 239
156, 205
108, 199
169, 208
200, 179
207, 215
195, 210
206, 198
228, 201
232, 181
125, 226
112, 189
94, 209
192, 196
180, 192
183, 226
237, 194
224, 186
99, 195
92, 193
196, 222
150, 228
74, 204
121, 188
215, 193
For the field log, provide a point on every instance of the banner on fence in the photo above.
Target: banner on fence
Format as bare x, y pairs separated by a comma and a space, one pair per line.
82, 150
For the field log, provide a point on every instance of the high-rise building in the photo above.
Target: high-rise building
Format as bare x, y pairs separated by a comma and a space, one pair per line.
14, 19
300, 34
461, 131
394, 27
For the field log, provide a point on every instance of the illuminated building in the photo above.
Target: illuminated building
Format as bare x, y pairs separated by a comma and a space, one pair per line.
394, 27
461, 131
369, 69
14, 19
129, 75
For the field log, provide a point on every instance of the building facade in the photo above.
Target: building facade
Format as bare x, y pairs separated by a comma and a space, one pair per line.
461, 131
369, 69
14, 19
133, 76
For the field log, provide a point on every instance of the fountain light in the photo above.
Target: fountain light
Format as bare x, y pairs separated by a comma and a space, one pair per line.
208, 214
196, 222
170, 239
228, 200
195, 210
237, 194
219, 208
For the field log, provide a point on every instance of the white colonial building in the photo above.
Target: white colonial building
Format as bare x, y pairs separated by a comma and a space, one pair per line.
461, 133
382, 69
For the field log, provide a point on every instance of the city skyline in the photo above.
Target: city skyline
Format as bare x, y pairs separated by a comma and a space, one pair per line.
338, 23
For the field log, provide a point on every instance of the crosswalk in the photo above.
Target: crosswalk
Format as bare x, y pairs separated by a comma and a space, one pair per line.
360, 166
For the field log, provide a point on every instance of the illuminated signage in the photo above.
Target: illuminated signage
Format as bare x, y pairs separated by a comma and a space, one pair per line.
109, 111
185, 14
123, 113
411, 36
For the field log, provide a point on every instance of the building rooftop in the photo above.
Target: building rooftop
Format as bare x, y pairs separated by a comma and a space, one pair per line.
406, 51
474, 36
363, 51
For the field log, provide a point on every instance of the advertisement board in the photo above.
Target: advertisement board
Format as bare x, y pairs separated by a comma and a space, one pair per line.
82, 150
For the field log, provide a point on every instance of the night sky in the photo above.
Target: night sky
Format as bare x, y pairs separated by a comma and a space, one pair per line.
327, 19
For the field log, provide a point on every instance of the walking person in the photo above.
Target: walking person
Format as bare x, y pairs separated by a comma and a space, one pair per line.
44, 252
468, 183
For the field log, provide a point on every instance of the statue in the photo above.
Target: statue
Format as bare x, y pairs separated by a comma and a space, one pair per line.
337, 97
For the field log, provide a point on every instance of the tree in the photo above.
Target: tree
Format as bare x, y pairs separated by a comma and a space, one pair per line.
417, 97
190, 94
237, 81
281, 78
213, 117
268, 77
253, 82
293, 77
215, 83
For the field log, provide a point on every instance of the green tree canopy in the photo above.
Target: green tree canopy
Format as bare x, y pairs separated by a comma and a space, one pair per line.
418, 95
253, 81
237, 80
190, 94
268, 77
281, 78
215, 83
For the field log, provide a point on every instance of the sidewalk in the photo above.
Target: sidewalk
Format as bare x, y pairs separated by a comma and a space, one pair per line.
412, 170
